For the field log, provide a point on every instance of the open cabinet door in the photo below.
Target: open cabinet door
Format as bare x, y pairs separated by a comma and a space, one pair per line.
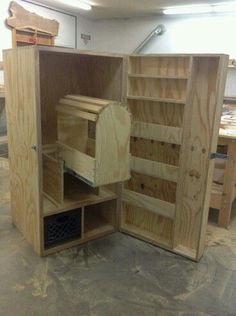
23, 128
176, 103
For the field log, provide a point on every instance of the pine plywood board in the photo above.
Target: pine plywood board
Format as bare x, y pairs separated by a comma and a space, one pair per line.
167, 134
174, 129
200, 128
53, 173
160, 88
155, 150
160, 66
155, 169
151, 204
81, 163
22, 105
168, 114
146, 225
114, 143
152, 186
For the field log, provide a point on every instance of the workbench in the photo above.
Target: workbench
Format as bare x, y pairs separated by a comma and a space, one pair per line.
223, 188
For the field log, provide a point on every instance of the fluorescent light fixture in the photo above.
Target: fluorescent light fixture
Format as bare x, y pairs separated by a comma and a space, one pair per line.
191, 9
79, 4
224, 7
197, 9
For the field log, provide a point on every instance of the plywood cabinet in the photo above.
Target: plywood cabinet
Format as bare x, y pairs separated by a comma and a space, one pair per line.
175, 102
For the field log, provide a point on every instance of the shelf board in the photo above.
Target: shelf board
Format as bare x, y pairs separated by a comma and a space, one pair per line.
103, 229
156, 99
146, 235
133, 75
77, 200
2, 94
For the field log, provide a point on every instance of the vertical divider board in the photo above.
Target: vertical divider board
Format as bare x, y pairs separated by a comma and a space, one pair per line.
175, 101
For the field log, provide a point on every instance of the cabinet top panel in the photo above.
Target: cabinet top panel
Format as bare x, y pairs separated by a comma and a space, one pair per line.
87, 52
64, 51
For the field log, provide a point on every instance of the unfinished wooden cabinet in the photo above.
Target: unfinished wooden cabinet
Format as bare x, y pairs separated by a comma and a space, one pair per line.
175, 102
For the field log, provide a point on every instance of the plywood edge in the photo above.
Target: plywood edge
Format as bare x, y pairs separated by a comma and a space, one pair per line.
168, 134
154, 169
159, 207
82, 105
90, 100
76, 112
186, 252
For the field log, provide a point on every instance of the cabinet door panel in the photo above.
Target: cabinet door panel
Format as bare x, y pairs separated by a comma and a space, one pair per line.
171, 142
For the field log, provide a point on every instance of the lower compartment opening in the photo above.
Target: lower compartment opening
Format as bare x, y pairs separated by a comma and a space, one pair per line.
100, 218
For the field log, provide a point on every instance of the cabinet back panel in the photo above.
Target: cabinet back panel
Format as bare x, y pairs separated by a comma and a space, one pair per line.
88, 75
151, 186
168, 114
159, 66
155, 150
152, 227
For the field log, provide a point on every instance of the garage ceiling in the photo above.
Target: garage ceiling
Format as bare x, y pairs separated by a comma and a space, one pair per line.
107, 9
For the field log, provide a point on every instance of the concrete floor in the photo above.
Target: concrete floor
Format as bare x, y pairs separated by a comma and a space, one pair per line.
116, 275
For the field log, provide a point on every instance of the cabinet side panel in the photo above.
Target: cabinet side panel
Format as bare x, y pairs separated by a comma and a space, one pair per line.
21, 104
220, 88
199, 131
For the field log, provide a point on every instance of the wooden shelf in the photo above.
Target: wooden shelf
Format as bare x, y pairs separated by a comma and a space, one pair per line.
147, 235
2, 94
77, 200
133, 75
165, 100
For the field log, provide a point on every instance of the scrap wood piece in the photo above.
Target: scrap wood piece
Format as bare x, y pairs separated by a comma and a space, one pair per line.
23, 19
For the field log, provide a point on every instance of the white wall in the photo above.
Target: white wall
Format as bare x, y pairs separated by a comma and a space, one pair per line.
198, 34
67, 29
85, 26
192, 34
